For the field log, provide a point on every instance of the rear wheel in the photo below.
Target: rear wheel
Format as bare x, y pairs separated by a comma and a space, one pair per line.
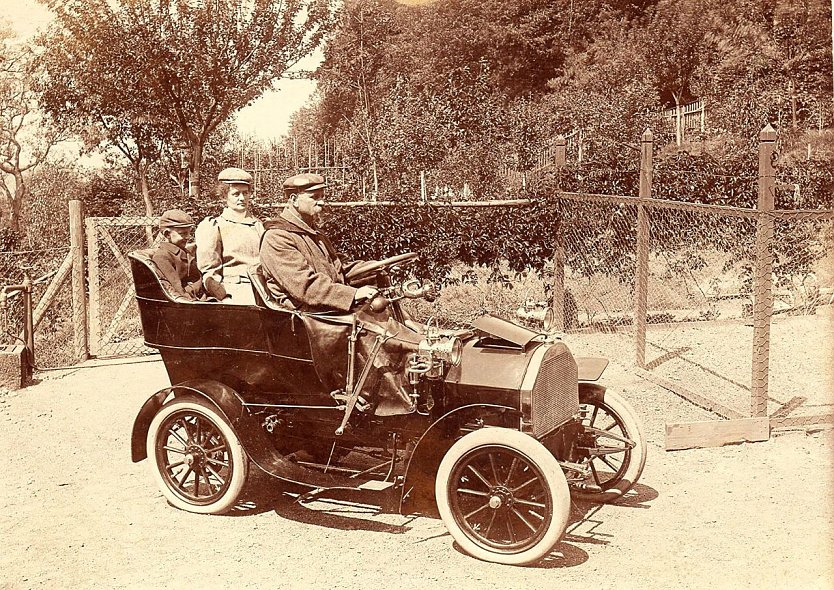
502, 496
613, 444
196, 457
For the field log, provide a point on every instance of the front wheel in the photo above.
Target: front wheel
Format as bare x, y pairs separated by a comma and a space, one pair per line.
613, 445
196, 457
502, 496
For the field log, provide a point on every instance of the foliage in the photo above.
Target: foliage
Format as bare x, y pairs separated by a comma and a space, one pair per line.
174, 70
26, 136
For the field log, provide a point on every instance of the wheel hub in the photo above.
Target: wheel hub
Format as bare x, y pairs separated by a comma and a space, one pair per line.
194, 456
500, 497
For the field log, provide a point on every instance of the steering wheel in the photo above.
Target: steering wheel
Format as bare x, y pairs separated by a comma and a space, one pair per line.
374, 266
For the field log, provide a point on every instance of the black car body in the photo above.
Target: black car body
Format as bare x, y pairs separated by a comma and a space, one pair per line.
493, 426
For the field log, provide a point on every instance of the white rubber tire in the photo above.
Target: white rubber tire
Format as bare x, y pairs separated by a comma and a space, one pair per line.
235, 459
550, 476
630, 427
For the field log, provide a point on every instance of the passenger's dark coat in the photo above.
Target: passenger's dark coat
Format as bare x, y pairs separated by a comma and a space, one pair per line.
301, 264
178, 271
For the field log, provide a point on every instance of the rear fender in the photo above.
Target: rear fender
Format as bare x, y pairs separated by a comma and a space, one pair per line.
418, 483
225, 399
247, 427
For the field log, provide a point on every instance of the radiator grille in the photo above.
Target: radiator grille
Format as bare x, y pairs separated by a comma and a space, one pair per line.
555, 397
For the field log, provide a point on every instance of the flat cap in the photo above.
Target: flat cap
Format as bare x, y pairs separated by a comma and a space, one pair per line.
304, 182
234, 176
174, 218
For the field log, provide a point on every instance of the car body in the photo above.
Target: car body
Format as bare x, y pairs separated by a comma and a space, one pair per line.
494, 427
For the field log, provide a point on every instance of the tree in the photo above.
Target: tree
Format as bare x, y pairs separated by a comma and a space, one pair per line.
26, 136
188, 66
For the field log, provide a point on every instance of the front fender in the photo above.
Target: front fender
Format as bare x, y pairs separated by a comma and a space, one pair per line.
418, 482
591, 392
223, 397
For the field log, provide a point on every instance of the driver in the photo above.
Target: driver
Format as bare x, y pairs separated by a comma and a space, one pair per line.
299, 262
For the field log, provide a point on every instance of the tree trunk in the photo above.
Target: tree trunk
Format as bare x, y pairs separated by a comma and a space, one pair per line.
144, 191
194, 170
792, 91
12, 200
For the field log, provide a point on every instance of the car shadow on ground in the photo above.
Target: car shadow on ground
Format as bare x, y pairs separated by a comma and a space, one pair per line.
585, 524
338, 509
350, 510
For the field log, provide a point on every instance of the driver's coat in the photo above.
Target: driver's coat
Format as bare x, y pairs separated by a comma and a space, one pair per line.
302, 264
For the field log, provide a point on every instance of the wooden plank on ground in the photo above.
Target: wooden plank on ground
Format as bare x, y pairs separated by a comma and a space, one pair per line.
696, 398
716, 433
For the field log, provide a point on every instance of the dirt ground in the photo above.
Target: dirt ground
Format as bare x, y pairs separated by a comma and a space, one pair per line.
77, 513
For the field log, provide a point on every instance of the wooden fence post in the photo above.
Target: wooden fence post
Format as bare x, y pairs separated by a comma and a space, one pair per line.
762, 281
94, 333
678, 125
558, 298
79, 294
641, 271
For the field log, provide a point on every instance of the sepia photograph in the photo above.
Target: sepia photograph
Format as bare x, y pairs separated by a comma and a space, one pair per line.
417, 294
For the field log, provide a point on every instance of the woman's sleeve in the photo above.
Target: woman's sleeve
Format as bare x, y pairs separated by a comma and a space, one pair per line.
209, 250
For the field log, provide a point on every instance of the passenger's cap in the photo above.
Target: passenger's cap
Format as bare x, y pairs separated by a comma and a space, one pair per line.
234, 176
175, 218
307, 182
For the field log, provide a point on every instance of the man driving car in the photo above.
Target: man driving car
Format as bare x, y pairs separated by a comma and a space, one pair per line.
298, 261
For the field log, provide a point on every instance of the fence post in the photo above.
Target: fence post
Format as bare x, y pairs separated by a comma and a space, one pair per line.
94, 333
762, 281
641, 271
79, 294
678, 125
558, 298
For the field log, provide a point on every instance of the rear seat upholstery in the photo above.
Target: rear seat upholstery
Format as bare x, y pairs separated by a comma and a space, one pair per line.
263, 295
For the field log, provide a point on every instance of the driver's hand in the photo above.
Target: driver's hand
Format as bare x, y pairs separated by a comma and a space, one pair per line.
364, 293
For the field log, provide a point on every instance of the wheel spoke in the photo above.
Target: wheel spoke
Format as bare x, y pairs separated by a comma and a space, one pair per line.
595, 474
197, 483
525, 484
478, 475
217, 461
188, 427
472, 492
174, 450
510, 528
181, 482
218, 448
491, 521
177, 436
530, 503
476, 511
604, 459
524, 520
177, 464
510, 474
494, 469
216, 475
594, 415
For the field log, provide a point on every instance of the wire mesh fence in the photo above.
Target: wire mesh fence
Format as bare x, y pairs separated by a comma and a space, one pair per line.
53, 337
115, 328
700, 283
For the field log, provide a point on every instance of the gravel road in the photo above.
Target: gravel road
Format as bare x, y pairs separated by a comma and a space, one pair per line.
76, 513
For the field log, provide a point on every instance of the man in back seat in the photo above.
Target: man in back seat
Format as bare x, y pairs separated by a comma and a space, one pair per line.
177, 267
298, 261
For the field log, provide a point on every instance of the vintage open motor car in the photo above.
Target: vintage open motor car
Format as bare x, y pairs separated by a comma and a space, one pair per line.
493, 427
